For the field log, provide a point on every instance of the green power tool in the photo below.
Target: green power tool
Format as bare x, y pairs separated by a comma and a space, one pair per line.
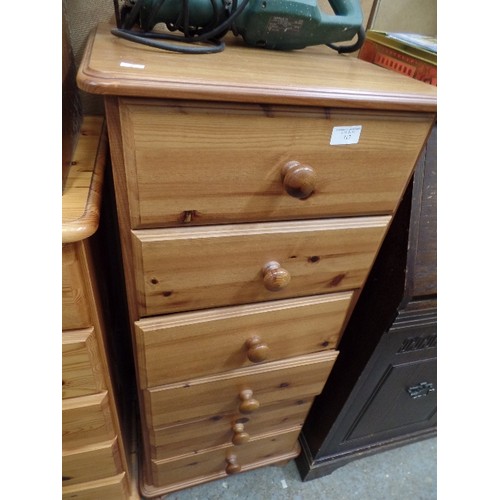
198, 26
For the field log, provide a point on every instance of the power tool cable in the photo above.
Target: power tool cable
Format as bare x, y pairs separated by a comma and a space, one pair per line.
148, 37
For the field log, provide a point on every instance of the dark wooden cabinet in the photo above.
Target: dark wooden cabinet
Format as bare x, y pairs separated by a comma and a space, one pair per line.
382, 391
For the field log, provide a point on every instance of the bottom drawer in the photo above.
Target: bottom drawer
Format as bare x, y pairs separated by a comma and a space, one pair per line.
112, 488
231, 428
200, 467
91, 463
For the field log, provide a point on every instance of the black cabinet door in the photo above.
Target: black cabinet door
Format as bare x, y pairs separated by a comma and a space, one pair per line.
405, 397
397, 392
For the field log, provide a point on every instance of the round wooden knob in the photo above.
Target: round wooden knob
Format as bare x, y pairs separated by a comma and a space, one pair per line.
240, 436
233, 467
298, 180
248, 403
257, 351
275, 277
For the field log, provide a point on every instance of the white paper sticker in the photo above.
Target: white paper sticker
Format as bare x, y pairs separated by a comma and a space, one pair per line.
345, 135
124, 64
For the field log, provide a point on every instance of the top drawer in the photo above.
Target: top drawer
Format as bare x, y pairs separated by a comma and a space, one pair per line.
216, 163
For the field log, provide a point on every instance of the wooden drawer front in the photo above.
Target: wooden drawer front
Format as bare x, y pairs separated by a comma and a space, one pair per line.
91, 463
220, 430
75, 300
113, 488
214, 163
228, 338
269, 384
81, 365
215, 463
86, 420
183, 269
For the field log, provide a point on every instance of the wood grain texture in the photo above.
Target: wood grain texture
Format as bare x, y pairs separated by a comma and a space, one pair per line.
122, 200
214, 463
93, 418
91, 463
82, 191
76, 300
86, 420
182, 269
299, 377
89, 410
215, 341
112, 488
217, 430
81, 364
315, 76
278, 460
234, 172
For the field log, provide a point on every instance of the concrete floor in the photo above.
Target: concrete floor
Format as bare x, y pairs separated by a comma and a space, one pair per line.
406, 473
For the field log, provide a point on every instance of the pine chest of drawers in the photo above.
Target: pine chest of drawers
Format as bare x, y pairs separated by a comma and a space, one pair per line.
253, 191
95, 452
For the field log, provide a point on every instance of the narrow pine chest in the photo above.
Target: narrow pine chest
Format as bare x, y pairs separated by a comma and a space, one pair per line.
253, 190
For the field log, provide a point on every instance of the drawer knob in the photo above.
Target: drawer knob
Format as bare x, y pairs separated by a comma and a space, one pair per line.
275, 277
248, 403
232, 467
298, 180
257, 351
240, 436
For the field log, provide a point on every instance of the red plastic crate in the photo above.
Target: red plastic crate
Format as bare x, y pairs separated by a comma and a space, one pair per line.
380, 49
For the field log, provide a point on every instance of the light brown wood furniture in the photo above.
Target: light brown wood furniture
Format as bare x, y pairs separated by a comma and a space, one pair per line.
246, 234
94, 458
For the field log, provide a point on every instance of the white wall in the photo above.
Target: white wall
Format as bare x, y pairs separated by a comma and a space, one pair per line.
407, 16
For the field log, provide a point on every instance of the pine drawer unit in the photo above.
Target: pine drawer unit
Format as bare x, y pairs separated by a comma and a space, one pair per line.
95, 463
248, 223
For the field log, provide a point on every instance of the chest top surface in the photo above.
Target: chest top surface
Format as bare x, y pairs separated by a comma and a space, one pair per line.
81, 198
314, 76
